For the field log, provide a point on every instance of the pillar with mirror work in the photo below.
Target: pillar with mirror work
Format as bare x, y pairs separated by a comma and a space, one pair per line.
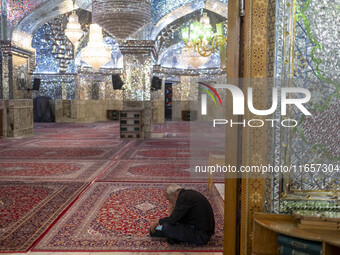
137, 61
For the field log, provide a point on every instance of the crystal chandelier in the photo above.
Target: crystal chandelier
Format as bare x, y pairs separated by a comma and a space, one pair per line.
73, 29
121, 18
192, 58
200, 37
95, 53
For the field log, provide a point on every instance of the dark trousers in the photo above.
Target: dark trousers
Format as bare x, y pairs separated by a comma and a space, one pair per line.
183, 233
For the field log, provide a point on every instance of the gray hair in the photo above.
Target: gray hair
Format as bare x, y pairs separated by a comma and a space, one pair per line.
172, 188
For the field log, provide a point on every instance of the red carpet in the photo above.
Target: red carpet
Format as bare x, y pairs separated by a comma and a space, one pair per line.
164, 153
115, 217
49, 170
134, 170
155, 171
27, 210
42, 175
172, 126
59, 153
95, 143
175, 143
83, 135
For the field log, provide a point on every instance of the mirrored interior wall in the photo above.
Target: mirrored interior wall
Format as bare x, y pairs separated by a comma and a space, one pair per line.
65, 76
307, 56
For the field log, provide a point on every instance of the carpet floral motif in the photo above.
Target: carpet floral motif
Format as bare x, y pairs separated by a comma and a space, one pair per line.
84, 135
28, 209
115, 217
183, 143
161, 153
74, 143
129, 212
36, 169
172, 127
167, 170
67, 153
165, 143
43, 174
16, 201
170, 153
42, 170
134, 170
164, 153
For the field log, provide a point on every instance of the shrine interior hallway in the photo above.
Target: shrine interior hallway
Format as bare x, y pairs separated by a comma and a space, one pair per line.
80, 189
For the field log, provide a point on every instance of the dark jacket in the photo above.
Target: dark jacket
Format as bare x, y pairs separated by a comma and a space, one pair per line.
192, 208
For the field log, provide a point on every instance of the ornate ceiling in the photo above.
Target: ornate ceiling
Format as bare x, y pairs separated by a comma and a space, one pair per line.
26, 16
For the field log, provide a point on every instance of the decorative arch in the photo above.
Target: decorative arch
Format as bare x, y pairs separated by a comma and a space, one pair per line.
23, 33
211, 5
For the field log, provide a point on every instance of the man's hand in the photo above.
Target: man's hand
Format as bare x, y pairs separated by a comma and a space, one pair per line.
153, 226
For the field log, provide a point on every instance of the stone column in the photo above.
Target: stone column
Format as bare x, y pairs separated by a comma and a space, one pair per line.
137, 78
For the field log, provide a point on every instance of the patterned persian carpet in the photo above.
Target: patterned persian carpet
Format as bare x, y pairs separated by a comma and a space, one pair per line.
164, 153
173, 143
155, 171
115, 217
27, 210
43, 200
50, 170
42, 176
164, 143
65, 153
84, 135
143, 170
7, 143
94, 143
172, 126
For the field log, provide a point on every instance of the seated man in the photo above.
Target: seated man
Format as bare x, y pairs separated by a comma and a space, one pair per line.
191, 220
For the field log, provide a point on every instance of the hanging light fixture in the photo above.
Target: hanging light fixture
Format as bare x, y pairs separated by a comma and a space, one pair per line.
200, 37
192, 58
73, 29
95, 53
121, 18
